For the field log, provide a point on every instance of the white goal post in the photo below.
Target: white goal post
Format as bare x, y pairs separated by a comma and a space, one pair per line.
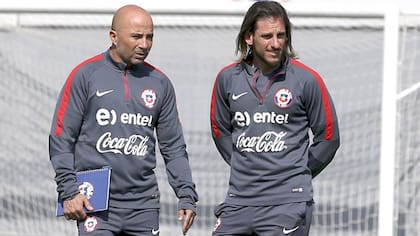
388, 127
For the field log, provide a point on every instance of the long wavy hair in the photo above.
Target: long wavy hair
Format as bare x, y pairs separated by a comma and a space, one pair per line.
260, 10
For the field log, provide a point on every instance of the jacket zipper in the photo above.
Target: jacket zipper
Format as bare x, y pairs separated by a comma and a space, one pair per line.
127, 90
267, 87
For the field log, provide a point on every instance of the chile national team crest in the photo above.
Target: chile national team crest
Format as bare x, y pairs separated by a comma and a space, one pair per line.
90, 224
283, 97
148, 98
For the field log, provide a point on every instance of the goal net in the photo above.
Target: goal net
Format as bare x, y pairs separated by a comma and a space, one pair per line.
38, 49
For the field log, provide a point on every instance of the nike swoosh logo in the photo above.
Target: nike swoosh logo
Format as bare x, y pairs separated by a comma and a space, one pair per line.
155, 232
236, 97
100, 94
288, 231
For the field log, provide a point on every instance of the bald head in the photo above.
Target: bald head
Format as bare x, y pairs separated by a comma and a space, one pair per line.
127, 15
131, 35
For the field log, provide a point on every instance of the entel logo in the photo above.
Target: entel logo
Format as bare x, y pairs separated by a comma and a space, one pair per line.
109, 117
244, 118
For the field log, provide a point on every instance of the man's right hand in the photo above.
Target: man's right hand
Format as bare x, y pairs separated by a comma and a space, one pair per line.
74, 208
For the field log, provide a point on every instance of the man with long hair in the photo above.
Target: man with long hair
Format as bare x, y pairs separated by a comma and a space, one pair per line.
263, 108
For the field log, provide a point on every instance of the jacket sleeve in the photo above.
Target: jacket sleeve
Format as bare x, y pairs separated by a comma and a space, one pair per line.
64, 132
220, 118
173, 149
323, 123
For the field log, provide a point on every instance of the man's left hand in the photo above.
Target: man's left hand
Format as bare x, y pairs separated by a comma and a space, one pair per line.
187, 216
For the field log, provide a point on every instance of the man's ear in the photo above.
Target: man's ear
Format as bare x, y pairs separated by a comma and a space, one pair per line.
249, 39
113, 36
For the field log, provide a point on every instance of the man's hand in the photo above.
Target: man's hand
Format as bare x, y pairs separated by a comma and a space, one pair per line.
188, 217
74, 208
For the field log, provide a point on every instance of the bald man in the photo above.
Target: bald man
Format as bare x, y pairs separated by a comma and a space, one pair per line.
107, 114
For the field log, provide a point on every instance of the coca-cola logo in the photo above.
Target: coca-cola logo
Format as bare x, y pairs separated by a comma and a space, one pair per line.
134, 145
268, 142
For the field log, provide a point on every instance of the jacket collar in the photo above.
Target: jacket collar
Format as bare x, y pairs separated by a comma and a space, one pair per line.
251, 69
122, 66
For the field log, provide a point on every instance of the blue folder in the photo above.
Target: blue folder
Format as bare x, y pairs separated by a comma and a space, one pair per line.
94, 184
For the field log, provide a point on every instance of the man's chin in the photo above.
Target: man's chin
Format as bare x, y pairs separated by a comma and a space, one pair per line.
137, 61
274, 63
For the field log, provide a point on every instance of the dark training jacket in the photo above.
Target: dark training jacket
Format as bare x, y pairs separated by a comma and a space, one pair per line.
107, 115
263, 133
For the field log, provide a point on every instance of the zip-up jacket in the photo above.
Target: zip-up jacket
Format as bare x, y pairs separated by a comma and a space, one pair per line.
107, 115
262, 131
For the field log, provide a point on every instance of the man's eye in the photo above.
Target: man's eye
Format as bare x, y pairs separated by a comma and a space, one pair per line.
281, 36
